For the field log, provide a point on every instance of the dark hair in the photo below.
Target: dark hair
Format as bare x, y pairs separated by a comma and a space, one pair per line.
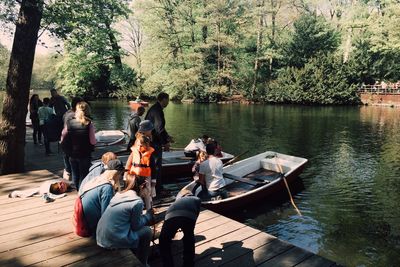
161, 96
210, 149
205, 136
46, 100
141, 108
75, 101
53, 90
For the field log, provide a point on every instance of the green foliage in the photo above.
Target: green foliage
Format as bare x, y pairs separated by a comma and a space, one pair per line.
323, 80
312, 35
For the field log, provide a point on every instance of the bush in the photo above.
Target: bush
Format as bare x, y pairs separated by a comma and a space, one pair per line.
323, 80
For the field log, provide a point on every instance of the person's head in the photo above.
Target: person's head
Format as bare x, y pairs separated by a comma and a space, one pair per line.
140, 110
163, 99
204, 138
107, 157
34, 98
146, 127
46, 101
115, 170
75, 100
133, 182
53, 92
202, 156
210, 148
82, 113
58, 188
143, 139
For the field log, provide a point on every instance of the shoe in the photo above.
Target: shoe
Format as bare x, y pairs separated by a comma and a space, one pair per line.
40, 143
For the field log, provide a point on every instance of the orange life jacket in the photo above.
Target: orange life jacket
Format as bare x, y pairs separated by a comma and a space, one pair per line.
141, 160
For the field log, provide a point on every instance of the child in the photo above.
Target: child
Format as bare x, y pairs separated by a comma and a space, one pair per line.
201, 156
141, 164
44, 113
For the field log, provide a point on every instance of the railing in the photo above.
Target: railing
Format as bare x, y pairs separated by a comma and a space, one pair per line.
380, 89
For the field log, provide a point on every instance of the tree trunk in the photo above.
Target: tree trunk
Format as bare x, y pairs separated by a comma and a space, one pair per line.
260, 27
114, 46
12, 125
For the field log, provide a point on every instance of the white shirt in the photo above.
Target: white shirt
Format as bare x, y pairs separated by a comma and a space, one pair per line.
212, 170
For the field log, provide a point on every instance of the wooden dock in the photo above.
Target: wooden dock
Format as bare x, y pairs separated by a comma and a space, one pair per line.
35, 233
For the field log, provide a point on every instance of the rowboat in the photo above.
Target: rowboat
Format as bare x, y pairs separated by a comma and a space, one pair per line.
253, 179
175, 165
109, 138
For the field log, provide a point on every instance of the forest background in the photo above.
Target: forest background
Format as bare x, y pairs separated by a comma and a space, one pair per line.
276, 51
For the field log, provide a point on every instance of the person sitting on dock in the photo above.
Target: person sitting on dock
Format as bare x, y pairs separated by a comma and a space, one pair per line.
210, 173
97, 193
123, 225
182, 214
141, 163
98, 168
133, 125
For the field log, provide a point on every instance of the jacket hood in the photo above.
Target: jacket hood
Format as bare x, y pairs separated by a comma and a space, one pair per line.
124, 197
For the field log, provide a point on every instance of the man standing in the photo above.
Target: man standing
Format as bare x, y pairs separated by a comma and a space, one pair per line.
161, 137
133, 125
59, 103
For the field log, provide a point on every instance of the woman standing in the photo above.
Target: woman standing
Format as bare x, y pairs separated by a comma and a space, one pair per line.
78, 140
122, 225
34, 105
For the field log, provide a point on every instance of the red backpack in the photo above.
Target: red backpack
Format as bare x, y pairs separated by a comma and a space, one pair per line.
78, 220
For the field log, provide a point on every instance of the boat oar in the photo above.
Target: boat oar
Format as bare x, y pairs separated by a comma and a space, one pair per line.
286, 184
229, 162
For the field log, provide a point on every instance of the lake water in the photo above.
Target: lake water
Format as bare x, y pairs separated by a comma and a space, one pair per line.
350, 201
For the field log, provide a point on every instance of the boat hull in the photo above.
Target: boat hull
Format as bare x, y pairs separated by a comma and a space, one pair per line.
272, 191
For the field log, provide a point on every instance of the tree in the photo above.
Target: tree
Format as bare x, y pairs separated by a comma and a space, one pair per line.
4, 59
312, 36
12, 125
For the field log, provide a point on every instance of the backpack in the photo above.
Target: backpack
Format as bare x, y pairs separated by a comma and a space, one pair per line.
78, 220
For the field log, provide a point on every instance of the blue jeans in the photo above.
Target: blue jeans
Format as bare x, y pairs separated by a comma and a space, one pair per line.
79, 169
67, 165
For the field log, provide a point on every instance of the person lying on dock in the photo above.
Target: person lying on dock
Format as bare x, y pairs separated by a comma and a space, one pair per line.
123, 225
182, 214
49, 190
210, 174
97, 193
98, 168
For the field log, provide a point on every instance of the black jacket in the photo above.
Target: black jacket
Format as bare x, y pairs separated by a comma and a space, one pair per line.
77, 142
133, 126
156, 115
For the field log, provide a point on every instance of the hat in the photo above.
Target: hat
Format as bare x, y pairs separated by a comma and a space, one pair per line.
115, 164
146, 126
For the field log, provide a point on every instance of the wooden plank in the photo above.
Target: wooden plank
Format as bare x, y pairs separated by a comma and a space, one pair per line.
232, 250
291, 257
34, 235
260, 254
242, 180
316, 261
54, 206
15, 225
103, 258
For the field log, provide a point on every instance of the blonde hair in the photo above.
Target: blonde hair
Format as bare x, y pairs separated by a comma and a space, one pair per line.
113, 177
107, 157
202, 155
133, 182
82, 113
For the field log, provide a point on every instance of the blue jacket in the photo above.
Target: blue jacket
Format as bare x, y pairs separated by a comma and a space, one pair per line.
95, 202
119, 223
95, 170
188, 206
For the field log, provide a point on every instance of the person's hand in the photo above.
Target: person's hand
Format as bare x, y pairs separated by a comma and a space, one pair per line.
167, 147
150, 217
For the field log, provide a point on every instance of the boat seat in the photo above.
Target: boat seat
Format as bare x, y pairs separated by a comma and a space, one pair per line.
243, 180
